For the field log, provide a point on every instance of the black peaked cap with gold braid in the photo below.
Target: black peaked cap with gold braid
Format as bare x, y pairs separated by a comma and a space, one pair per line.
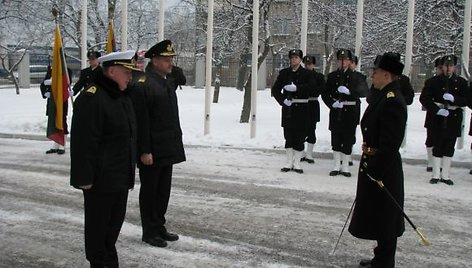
163, 49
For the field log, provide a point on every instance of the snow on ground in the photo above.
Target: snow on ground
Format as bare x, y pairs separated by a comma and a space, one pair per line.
230, 204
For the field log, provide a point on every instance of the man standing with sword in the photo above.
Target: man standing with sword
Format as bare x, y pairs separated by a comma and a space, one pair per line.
375, 216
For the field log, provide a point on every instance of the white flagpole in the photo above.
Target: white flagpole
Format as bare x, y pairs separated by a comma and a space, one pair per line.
254, 61
162, 7
83, 34
359, 24
208, 64
304, 27
124, 25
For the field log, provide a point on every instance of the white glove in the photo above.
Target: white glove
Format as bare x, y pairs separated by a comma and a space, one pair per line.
288, 102
47, 82
71, 92
448, 97
47, 95
290, 87
338, 105
443, 112
344, 90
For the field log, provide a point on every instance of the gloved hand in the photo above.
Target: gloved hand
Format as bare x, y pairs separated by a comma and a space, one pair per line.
344, 90
448, 97
338, 105
47, 95
47, 82
288, 102
71, 92
443, 112
290, 87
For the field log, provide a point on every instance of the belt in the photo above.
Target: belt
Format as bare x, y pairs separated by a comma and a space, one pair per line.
312, 98
369, 150
299, 100
349, 103
450, 107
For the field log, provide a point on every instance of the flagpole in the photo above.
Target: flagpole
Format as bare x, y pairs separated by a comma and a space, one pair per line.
124, 25
83, 33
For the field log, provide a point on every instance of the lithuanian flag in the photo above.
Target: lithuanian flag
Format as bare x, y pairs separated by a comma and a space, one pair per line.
60, 91
111, 44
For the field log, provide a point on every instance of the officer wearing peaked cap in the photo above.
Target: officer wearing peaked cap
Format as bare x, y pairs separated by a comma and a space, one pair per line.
429, 116
343, 90
160, 143
103, 155
292, 90
375, 216
444, 99
87, 74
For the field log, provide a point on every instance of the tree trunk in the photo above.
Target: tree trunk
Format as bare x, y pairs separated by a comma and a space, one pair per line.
246, 111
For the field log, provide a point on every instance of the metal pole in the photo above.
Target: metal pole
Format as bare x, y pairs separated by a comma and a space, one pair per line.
124, 25
409, 37
209, 53
83, 34
359, 24
465, 61
162, 4
254, 63
304, 27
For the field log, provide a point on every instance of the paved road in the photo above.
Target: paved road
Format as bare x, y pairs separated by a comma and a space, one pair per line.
232, 208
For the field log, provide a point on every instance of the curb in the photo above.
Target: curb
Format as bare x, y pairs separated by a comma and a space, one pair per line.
321, 155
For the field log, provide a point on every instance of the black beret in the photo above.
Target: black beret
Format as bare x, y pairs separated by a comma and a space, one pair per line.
344, 53
449, 60
93, 54
309, 59
163, 48
297, 52
390, 63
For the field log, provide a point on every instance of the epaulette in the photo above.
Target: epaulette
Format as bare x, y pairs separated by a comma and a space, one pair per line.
390, 94
91, 90
142, 79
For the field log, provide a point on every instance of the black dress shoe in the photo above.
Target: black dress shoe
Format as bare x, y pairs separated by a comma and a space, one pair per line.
433, 181
309, 161
156, 241
365, 262
298, 170
429, 169
470, 172
334, 173
303, 159
61, 151
351, 164
169, 236
285, 169
346, 174
448, 181
51, 151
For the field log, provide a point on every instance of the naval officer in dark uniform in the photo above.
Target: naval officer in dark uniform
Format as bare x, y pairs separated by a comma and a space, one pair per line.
343, 90
103, 155
291, 90
444, 97
87, 75
375, 216
160, 144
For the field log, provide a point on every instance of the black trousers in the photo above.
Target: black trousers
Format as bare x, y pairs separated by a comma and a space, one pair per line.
154, 198
311, 135
384, 253
104, 216
443, 146
295, 138
429, 137
342, 140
